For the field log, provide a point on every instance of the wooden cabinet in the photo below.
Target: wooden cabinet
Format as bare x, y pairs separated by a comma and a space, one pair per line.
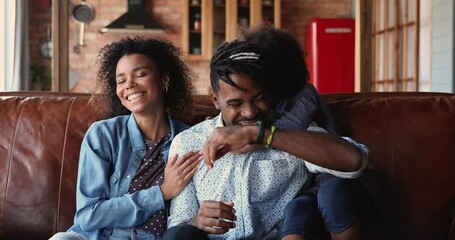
208, 23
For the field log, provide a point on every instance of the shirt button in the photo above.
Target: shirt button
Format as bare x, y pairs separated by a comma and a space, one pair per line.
128, 176
238, 198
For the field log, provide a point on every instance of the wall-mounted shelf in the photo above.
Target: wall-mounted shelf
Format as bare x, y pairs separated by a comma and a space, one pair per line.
220, 21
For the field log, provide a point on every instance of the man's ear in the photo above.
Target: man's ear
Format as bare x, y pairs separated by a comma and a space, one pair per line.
214, 98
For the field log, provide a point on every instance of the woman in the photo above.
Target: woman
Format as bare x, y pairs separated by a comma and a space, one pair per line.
124, 184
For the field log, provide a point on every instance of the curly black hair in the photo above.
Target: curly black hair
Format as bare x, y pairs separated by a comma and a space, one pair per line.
167, 58
238, 57
289, 73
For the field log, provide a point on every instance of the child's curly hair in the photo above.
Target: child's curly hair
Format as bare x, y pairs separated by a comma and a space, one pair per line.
289, 72
167, 58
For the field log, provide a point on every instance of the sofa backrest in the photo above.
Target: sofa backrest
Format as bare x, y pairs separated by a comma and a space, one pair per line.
39, 141
411, 137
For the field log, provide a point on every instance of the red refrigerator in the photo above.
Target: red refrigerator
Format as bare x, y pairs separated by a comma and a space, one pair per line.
330, 54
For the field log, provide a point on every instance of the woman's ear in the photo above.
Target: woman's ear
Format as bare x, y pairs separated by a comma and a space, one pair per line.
166, 82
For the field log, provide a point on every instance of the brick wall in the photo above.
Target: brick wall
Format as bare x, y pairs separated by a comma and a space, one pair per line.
83, 64
296, 14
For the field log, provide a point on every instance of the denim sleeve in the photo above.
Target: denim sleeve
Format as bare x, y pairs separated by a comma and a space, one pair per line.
96, 205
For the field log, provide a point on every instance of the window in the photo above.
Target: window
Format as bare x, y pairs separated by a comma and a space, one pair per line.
395, 45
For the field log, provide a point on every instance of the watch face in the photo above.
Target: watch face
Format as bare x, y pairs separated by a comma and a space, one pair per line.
46, 49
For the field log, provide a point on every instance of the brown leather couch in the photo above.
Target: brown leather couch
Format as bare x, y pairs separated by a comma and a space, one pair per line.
411, 137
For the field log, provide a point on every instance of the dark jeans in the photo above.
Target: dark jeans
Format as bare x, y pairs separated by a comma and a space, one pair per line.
338, 201
185, 232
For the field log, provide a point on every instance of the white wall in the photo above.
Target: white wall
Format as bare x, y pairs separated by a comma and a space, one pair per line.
442, 45
7, 21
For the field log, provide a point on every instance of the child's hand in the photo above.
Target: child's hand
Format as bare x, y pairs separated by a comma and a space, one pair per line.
228, 139
250, 148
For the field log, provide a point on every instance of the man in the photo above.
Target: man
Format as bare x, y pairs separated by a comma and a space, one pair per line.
244, 195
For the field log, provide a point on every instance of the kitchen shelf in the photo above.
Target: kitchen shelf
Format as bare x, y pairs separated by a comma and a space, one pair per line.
221, 22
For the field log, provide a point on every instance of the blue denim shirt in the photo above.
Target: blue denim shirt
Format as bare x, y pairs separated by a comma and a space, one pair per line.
111, 153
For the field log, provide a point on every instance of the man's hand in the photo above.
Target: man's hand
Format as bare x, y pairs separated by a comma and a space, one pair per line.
178, 173
228, 139
215, 217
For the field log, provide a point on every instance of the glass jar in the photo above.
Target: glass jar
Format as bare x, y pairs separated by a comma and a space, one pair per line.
197, 22
244, 2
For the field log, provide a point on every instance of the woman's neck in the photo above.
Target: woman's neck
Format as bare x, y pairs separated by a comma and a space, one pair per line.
153, 127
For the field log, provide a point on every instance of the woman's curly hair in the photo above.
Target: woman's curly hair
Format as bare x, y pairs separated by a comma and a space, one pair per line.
167, 58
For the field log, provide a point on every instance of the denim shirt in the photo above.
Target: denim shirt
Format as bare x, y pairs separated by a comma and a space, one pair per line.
111, 153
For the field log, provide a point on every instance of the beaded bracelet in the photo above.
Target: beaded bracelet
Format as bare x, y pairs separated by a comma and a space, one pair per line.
260, 138
270, 138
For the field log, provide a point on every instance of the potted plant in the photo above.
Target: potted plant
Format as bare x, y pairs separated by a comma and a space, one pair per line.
40, 77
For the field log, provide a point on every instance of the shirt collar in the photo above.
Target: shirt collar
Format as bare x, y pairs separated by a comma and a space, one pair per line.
137, 141
175, 126
219, 121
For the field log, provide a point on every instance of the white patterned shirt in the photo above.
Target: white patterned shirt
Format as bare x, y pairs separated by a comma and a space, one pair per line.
259, 183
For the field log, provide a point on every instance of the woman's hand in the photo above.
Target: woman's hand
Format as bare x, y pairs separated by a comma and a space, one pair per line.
178, 173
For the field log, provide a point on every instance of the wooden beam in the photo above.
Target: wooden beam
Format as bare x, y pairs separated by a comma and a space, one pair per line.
255, 12
405, 51
186, 27
207, 29
231, 20
363, 50
417, 44
60, 62
277, 13
396, 48
386, 60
